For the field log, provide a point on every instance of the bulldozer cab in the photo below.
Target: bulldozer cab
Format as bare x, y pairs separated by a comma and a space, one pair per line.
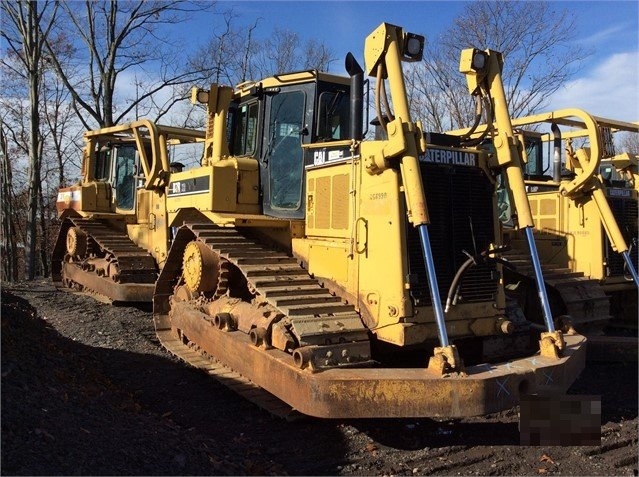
124, 164
298, 110
533, 155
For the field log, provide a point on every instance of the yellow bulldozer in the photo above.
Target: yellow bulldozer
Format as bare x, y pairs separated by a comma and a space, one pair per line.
583, 195
114, 235
308, 266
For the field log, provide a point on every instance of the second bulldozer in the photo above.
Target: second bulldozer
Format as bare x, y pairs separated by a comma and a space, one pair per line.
583, 194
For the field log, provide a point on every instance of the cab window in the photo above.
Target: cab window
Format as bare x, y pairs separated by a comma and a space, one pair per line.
102, 170
124, 183
284, 154
245, 130
333, 113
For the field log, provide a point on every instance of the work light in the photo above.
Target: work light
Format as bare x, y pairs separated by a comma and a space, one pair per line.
480, 59
199, 95
413, 47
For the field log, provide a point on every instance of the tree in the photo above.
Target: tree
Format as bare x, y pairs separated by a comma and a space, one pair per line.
14, 173
9, 245
223, 55
283, 52
63, 134
29, 24
62, 129
123, 37
629, 142
62, 146
317, 55
234, 55
540, 56
59, 146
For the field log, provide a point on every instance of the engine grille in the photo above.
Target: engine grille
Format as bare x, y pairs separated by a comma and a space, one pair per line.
625, 211
460, 202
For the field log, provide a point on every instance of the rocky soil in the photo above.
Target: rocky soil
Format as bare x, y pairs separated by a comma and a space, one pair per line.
88, 390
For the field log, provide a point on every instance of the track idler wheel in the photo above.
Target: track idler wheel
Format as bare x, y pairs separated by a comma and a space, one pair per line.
77, 241
200, 268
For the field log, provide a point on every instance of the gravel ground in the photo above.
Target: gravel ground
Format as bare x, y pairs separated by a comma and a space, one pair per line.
88, 390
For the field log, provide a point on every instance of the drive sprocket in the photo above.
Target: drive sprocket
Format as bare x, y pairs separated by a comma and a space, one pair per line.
204, 272
77, 241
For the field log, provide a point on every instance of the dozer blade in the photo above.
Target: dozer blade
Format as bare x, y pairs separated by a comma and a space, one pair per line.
372, 392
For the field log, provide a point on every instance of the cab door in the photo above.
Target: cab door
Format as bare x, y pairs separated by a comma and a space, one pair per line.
282, 162
125, 167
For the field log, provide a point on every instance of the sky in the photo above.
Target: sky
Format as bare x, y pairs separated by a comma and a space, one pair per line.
607, 86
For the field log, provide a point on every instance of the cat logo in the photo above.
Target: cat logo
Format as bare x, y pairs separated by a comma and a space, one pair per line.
319, 157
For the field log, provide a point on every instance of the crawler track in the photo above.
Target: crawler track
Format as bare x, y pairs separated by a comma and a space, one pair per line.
287, 293
571, 293
110, 264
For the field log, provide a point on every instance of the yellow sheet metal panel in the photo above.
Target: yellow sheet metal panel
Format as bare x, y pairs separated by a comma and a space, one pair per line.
310, 203
224, 181
340, 208
144, 205
248, 180
329, 260
328, 201
191, 188
90, 197
548, 206
383, 268
205, 188
585, 236
323, 200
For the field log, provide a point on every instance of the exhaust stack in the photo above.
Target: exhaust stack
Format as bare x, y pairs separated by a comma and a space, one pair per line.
556, 161
357, 97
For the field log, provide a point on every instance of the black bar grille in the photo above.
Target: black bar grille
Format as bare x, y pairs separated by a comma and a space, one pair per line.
625, 212
460, 202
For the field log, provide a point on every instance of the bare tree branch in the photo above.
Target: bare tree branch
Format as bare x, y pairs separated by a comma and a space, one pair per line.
540, 56
118, 37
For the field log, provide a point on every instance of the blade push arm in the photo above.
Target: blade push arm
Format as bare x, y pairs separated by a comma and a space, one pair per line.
483, 74
385, 50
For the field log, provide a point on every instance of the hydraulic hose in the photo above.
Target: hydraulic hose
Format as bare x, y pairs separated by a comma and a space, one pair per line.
485, 101
483, 257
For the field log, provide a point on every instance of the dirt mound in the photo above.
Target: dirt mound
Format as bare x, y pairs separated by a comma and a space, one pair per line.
88, 390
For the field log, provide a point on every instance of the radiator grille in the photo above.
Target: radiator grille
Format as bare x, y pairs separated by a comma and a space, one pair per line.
460, 202
625, 212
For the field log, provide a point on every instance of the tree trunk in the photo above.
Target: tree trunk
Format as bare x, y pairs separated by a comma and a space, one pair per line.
45, 221
34, 175
9, 247
32, 51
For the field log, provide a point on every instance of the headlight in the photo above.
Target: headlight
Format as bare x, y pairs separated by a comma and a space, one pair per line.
199, 95
479, 60
413, 47
473, 61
